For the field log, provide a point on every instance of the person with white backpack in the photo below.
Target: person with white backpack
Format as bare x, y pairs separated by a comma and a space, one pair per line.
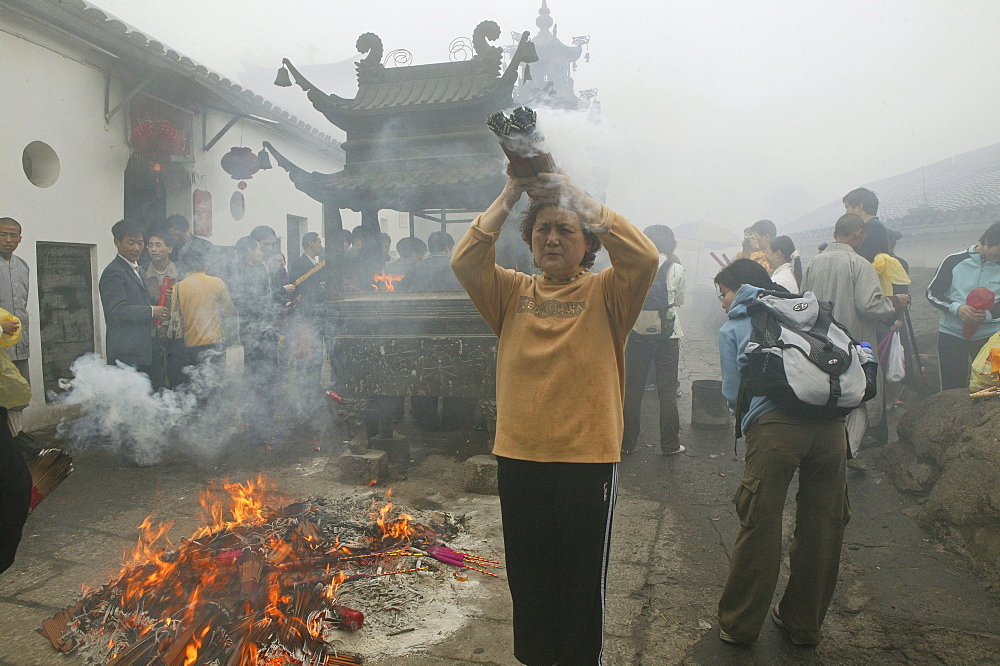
769, 343
655, 339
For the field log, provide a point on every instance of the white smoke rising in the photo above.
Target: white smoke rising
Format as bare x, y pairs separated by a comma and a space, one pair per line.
120, 411
579, 146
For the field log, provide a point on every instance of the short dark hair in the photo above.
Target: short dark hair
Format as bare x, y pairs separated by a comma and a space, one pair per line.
410, 246
784, 245
764, 228
364, 235
592, 240
847, 224
177, 223
662, 237
745, 271
261, 232
12, 222
308, 238
123, 228
440, 241
244, 244
160, 232
863, 197
991, 236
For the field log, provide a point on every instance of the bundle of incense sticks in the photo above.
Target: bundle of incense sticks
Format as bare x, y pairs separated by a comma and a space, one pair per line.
465, 560
521, 141
162, 300
48, 470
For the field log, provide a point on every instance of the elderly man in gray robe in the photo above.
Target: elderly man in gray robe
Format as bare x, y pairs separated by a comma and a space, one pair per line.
14, 299
845, 278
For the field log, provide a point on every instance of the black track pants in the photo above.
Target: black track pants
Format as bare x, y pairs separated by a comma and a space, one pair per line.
557, 536
15, 494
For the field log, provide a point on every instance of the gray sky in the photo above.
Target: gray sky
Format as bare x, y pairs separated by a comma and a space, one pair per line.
722, 111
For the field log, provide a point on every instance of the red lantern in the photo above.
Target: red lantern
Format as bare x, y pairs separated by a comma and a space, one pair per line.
240, 163
157, 138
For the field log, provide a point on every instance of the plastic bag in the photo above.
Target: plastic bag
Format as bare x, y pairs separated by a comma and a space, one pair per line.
895, 361
986, 368
14, 389
857, 426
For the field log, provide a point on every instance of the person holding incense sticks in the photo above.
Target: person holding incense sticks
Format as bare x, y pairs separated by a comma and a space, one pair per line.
162, 274
558, 446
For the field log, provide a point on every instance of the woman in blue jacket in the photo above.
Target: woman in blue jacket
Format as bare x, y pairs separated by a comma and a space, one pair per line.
778, 443
958, 274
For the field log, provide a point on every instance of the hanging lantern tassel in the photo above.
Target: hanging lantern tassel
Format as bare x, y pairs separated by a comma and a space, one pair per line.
282, 79
527, 73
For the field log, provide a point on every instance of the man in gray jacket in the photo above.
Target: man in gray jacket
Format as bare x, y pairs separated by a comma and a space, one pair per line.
14, 299
845, 278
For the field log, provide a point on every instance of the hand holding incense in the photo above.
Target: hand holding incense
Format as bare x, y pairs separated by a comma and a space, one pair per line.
521, 141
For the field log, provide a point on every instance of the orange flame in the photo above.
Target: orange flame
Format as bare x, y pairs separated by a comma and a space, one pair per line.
385, 281
397, 528
191, 652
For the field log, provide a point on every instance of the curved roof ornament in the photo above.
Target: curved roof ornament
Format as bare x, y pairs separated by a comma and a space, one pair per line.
487, 31
371, 44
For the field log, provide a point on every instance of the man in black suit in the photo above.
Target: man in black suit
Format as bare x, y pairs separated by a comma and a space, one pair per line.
128, 312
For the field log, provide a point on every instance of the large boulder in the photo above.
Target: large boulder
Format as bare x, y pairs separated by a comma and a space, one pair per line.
949, 453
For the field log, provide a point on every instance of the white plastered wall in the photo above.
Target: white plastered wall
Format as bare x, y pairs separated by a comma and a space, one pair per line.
53, 91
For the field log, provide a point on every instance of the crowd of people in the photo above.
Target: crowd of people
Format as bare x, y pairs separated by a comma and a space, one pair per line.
575, 350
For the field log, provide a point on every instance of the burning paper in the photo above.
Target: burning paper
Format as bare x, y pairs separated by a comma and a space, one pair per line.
259, 584
523, 144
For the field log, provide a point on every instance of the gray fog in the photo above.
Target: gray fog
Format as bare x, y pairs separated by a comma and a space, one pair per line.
718, 111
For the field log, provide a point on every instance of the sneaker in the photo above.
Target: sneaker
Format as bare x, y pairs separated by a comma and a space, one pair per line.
679, 449
778, 621
726, 638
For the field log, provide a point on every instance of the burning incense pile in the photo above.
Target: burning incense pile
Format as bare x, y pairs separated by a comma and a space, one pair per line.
259, 585
521, 141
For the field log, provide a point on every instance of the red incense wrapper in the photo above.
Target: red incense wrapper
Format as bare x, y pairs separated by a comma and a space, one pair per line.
349, 618
164, 288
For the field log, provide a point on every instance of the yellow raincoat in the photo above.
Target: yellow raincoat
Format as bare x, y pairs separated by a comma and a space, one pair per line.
890, 272
14, 389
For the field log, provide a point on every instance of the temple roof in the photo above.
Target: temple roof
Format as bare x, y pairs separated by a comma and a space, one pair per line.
421, 184
433, 87
437, 84
966, 182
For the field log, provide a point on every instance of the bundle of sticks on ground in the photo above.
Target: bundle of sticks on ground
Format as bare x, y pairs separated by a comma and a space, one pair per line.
257, 584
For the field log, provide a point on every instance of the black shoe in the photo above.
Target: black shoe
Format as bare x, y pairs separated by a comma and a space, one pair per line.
871, 442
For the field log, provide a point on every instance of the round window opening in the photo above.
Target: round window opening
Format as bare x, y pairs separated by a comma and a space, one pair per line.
237, 206
40, 164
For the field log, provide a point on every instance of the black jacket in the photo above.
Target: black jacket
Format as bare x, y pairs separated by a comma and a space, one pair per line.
313, 289
128, 316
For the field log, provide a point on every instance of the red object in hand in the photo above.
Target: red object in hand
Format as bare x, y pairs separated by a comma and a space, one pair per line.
36, 498
349, 618
164, 288
336, 397
979, 298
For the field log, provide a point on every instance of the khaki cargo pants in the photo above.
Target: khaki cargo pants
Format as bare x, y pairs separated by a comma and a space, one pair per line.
778, 444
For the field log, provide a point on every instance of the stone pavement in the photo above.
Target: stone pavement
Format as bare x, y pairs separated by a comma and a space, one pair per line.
902, 598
